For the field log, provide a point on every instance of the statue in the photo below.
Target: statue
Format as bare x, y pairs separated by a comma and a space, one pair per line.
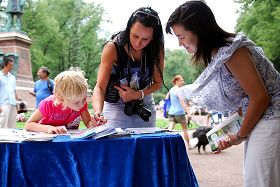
14, 9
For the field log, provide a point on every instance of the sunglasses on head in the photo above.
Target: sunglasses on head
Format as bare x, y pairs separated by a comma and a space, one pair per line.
146, 14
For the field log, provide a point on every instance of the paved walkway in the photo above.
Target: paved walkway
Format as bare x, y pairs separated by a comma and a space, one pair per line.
218, 170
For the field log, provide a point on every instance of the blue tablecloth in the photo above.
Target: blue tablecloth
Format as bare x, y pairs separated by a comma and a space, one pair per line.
142, 160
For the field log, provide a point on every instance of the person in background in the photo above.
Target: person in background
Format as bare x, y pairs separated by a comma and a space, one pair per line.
238, 77
43, 87
8, 95
63, 110
130, 71
178, 109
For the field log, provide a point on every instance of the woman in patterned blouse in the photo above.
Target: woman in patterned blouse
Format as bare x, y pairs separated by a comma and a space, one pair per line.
237, 77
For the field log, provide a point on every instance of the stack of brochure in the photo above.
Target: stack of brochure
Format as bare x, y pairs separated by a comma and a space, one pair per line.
19, 135
39, 136
10, 135
95, 133
230, 125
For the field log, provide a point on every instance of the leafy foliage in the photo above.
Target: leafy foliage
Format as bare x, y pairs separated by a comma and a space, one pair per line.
260, 21
178, 62
64, 34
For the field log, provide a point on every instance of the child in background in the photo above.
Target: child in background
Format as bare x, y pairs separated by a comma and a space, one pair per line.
63, 109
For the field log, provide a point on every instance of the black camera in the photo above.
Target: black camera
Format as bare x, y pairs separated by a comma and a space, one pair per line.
136, 107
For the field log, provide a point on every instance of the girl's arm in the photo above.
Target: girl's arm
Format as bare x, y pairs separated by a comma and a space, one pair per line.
87, 119
33, 125
243, 69
184, 104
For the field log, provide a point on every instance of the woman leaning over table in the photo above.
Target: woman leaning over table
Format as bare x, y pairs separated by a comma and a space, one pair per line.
130, 71
238, 77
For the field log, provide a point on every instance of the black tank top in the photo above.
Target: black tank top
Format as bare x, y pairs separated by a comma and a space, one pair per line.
125, 67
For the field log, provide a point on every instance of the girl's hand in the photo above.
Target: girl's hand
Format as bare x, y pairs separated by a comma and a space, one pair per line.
57, 130
127, 93
98, 119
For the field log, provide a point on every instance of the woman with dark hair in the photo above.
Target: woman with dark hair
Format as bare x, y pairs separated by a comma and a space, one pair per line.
130, 71
238, 77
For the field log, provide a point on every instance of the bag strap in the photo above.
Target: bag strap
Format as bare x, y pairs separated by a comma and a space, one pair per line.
50, 86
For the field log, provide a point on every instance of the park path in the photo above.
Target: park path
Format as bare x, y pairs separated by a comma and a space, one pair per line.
215, 170
218, 170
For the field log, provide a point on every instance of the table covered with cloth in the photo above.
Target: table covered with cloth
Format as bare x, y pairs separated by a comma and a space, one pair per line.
140, 160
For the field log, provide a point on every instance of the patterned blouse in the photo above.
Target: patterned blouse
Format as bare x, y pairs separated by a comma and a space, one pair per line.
218, 90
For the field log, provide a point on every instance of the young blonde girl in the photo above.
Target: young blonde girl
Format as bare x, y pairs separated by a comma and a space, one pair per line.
63, 110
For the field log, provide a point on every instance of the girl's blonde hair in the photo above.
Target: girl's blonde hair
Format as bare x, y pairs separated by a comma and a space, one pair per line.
70, 85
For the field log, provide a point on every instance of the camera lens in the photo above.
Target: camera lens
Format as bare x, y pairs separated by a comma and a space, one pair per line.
144, 113
136, 107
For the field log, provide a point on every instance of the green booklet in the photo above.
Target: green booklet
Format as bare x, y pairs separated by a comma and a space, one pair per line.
230, 125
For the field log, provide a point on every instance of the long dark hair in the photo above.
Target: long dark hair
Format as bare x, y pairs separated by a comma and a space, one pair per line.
149, 18
197, 17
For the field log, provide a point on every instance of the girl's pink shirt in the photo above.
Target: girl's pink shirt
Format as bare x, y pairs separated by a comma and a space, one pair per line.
56, 115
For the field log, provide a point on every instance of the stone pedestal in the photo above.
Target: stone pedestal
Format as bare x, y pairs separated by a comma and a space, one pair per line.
15, 42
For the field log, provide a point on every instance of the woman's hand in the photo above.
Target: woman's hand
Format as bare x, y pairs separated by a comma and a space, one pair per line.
231, 139
127, 93
57, 130
98, 119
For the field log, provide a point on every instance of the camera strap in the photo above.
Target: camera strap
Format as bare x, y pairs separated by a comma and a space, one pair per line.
142, 71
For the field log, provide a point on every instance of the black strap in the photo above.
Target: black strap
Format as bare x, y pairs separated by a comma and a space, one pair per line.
50, 86
120, 61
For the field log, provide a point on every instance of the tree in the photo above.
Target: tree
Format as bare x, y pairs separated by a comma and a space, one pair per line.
64, 34
260, 19
177, 62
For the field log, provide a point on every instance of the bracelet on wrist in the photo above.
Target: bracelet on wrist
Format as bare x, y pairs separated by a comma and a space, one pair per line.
240, 137
142, 94
97, 114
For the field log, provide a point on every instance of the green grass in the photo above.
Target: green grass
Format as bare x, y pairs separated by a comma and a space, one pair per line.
162, 123
20, 125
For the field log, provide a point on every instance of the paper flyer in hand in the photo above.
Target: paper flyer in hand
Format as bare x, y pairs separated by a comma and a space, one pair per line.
230, 125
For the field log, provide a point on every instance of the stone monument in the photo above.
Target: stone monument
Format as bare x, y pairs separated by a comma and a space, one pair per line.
16, 43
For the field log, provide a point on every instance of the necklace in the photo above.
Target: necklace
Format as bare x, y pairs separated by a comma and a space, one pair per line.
132, 55
141, 61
